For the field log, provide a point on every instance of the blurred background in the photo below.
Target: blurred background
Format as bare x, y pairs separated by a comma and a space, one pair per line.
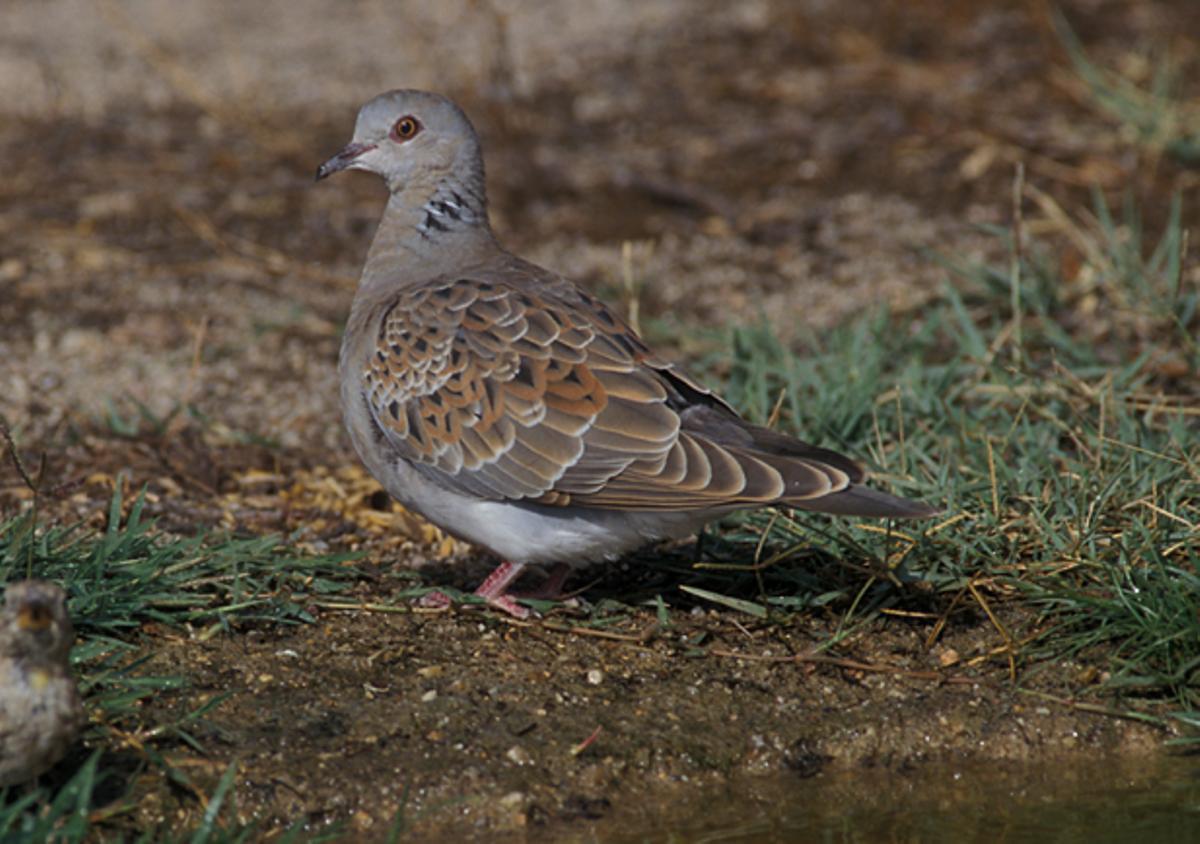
812, 204
782, 158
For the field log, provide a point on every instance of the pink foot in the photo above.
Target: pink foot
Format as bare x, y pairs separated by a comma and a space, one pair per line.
494, 589
437, 600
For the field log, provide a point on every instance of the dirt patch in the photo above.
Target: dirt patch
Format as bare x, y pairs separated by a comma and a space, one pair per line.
168, 249
464, 722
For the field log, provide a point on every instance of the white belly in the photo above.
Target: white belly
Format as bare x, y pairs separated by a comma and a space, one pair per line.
516, 532
533, 533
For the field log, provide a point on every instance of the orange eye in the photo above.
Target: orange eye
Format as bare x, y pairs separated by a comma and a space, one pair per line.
405, 128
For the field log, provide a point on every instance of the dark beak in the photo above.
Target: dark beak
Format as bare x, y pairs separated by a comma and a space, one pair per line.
343, 159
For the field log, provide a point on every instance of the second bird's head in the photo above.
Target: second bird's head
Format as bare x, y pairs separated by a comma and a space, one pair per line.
34, 623
412, 139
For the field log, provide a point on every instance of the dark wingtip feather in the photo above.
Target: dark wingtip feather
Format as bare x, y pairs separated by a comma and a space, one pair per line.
864, 501
785, 446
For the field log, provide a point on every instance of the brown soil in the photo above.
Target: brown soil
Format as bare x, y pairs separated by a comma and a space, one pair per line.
161, 242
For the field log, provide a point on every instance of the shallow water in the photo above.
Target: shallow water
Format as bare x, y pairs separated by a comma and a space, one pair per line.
1072, 800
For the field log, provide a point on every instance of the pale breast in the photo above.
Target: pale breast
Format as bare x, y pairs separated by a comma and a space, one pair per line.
40, 715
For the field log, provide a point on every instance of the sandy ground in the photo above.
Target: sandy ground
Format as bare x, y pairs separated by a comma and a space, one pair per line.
161, 243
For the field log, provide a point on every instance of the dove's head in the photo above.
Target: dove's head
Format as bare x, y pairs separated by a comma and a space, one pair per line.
34, 623
413, 139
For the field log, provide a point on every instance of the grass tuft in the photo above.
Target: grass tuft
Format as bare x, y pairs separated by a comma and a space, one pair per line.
119, 580
130, 574
1069, 474
1149, 109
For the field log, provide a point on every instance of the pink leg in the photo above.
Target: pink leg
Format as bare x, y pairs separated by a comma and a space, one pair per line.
495, 588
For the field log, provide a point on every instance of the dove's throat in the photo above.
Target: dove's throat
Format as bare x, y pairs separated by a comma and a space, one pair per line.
425, 226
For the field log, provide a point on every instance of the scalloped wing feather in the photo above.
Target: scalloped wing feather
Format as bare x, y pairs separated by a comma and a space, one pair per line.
510, 383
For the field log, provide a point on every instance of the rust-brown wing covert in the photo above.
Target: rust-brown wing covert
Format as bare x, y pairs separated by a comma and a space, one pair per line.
511, 390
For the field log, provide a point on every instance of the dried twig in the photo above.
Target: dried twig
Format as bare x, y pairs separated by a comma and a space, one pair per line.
18, 463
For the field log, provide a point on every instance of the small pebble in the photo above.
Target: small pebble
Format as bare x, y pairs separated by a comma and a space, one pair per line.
595, 676
518, 755
513, 799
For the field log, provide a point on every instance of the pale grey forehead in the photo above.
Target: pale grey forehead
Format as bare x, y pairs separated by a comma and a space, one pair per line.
433, 110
